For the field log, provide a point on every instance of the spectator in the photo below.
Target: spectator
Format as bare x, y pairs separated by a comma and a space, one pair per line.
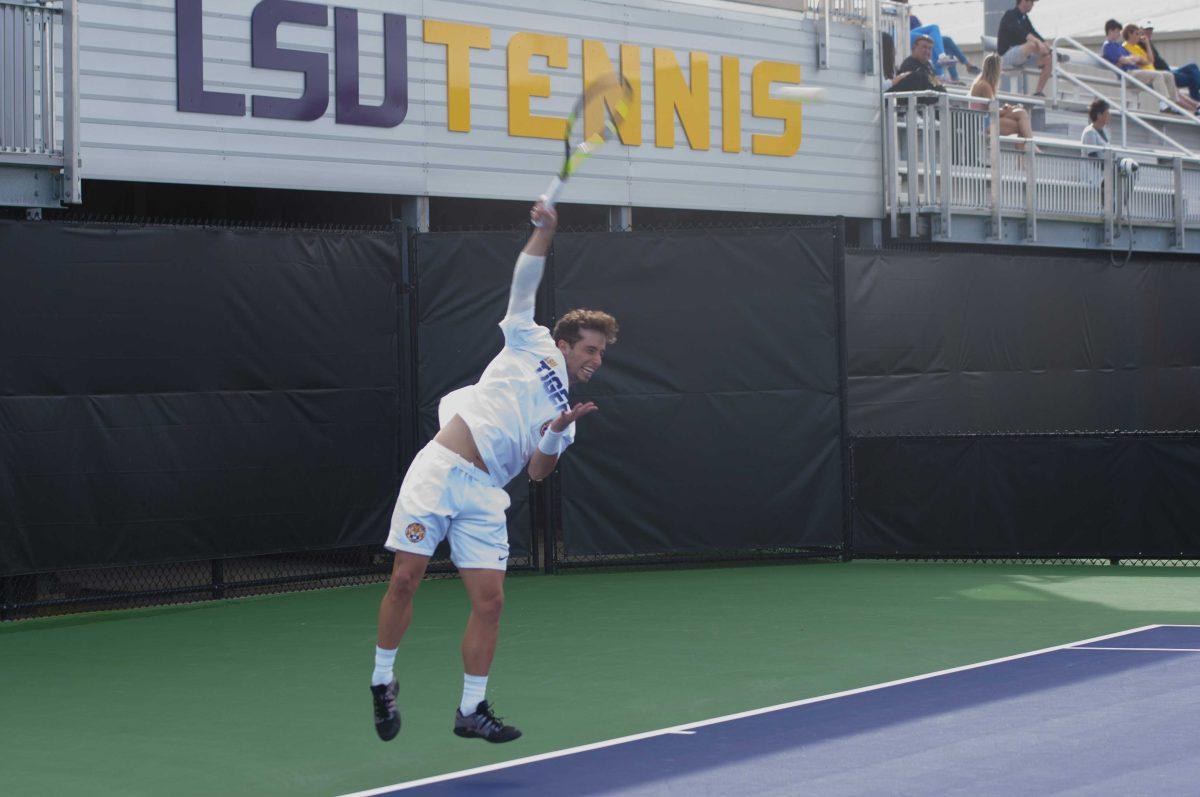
1014, 120
1094, 134
1113, 51
1020, 45
1162, 82
888, 55
1186, 76
1095, 139
921, 60
915, 73
946, 53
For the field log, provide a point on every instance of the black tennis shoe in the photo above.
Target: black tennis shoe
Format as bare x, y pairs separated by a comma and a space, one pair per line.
483, 724
387, 716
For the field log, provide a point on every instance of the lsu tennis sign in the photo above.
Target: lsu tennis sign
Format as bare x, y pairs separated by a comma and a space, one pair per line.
688, 99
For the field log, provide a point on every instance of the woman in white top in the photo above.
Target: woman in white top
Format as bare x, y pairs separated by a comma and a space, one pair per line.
1094, 133
1095, 139
1014, 119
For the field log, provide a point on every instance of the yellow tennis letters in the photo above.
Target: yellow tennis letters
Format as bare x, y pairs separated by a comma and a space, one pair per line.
528, 56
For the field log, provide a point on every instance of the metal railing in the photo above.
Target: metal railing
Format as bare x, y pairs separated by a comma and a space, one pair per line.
826, 12
943, 156
39, 119
857, 12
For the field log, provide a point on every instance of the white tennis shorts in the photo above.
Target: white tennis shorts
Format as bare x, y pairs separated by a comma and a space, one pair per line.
445, 496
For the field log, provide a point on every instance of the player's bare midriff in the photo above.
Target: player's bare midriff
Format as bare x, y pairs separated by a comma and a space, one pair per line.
457, 437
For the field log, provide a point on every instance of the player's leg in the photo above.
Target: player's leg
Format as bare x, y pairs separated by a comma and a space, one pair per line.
395, 613
420, 521
395, 610
479, 547
485, 589
475, 718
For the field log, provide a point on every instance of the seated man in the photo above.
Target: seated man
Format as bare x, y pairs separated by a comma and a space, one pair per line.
919, 63
1020, 45
1186, 76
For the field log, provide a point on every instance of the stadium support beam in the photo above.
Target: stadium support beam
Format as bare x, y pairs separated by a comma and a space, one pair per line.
620, 218
414, 212
72, 182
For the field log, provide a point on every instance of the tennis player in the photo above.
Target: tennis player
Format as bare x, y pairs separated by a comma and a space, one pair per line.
517, 416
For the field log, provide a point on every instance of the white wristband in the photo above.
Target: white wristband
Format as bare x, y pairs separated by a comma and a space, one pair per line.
551, 442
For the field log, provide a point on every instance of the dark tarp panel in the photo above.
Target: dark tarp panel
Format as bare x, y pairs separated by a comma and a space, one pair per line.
462, 292
719, 422
1001, 342
1111, 496
186, 393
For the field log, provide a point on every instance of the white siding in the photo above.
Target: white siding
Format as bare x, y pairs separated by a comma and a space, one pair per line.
131, 129
1181, 51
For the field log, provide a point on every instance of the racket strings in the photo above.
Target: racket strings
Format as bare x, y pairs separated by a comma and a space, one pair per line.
611, 91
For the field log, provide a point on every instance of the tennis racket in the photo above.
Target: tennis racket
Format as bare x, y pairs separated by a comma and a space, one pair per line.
577, 145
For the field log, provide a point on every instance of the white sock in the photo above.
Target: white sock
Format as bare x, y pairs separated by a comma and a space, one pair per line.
384, 659
474, 688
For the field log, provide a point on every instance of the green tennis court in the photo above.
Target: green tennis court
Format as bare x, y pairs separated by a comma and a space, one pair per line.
268, 695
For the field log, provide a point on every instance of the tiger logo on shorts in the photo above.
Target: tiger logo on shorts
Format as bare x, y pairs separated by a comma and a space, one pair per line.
415, 532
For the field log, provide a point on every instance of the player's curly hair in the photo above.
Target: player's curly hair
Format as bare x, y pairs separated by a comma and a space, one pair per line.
569, 325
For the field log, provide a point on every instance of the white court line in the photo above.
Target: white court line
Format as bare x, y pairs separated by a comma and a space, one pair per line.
1160, 650
412, 784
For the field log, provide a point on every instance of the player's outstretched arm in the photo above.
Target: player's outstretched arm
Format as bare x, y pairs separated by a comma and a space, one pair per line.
545, 222
545, 457
528, 272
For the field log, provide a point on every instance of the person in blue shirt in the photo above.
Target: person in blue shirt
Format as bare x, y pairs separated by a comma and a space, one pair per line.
1114, 51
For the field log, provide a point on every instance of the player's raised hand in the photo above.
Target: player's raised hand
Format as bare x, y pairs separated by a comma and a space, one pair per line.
575, 413
543, 217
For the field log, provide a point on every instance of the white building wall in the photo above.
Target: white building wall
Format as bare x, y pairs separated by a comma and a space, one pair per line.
131, 128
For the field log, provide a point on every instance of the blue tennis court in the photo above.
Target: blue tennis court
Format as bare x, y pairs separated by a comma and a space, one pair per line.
1109, 715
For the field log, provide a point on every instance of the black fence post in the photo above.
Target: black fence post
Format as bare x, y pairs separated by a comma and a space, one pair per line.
218, 578
848, 531
535, 561
549, 523
839, 288
406, 308
542, 532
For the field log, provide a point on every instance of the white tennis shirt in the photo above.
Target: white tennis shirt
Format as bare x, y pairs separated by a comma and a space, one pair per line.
521, 391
